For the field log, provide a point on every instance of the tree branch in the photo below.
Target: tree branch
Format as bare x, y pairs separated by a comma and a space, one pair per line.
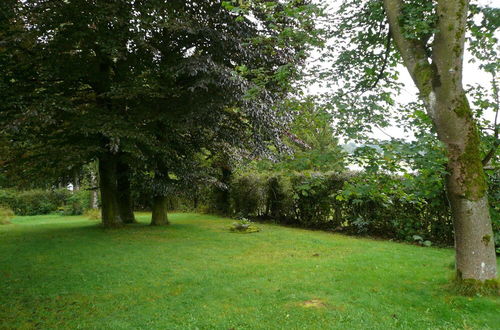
413, 52
386, 60
448, 43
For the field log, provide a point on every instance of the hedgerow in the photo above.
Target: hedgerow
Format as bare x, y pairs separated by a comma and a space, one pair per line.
37, 202
355, 203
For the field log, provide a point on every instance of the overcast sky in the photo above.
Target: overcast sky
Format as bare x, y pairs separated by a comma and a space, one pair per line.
472, 75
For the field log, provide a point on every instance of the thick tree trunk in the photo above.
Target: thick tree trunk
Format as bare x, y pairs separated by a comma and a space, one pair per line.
107, 181
159, 216
124, 197
475, 254
439, 80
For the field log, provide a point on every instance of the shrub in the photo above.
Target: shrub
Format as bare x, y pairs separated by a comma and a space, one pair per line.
33, 202
6, 214
36, 202
93, 214
248, 194
280, 202
315, 199
76, 203
7, 197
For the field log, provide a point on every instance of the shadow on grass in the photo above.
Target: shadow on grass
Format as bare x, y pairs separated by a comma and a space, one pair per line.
95, 232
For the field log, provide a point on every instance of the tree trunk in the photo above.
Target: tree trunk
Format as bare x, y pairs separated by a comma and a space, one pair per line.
94, 196
222, 198
159, 216
124, 194
195, 200
107, 180
76, 180
439, 80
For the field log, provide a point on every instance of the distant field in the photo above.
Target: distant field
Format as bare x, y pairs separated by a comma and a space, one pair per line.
67, 272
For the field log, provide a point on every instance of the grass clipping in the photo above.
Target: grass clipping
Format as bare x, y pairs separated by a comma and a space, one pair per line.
244, 226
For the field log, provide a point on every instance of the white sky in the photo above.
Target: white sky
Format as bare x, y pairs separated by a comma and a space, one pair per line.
472, 75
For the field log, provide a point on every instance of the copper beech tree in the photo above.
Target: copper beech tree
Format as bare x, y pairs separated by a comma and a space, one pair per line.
143, 86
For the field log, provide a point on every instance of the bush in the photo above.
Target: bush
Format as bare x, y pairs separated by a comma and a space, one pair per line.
37, 202
280, 202
33, 202
76, 203
494, 195
6, 214
93, 214
248, 194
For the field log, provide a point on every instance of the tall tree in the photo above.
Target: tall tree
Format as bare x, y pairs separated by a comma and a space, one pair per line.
438, 76
428, 38
121, 79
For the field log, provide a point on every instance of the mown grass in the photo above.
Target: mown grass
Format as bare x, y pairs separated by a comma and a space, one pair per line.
66, 272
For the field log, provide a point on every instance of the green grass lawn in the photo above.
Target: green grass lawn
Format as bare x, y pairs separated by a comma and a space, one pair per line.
67, 272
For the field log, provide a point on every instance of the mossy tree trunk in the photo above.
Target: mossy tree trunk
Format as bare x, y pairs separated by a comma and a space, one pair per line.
439, 79
125, 202
159, 215
109, 196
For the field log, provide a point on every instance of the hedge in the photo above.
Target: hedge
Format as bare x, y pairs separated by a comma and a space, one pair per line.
355, 203
37, 202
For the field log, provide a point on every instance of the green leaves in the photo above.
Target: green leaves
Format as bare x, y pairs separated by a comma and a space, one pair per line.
418, 19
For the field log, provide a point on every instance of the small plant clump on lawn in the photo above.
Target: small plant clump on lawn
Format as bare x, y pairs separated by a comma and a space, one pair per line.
419, 240
6, 214
93, 214
244, 226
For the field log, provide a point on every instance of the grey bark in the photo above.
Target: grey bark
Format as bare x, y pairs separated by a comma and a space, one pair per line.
439, 80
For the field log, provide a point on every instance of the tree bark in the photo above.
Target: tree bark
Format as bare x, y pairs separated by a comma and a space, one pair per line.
94, 196
124, 197
159, 216
222, 198
439, 80
108, 184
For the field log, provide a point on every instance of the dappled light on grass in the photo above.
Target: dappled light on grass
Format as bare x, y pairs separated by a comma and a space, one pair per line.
68, 272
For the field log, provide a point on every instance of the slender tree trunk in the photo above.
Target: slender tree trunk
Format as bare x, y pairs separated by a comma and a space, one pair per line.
94, 199
124, 197
159, 216
439, 80
107, 180
94, 196
195, 200
222, 194
76, 180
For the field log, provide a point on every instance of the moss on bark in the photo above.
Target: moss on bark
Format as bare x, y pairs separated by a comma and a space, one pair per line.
424, 76
474, 181
472, 287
